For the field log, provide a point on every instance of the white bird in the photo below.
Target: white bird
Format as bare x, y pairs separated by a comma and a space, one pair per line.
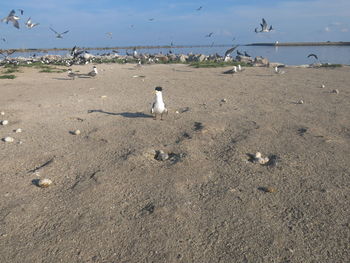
278, 71
231, 71
59, 35
12, 18
30, 24
158, 106
93, 73
264, 27
71, 74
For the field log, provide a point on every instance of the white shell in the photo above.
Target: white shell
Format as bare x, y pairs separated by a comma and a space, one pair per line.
8, 139
18, 130
44, 183
4, 122
76, 132
2, 113
258, 155
335, 91
323, 86
103, 97
300, 102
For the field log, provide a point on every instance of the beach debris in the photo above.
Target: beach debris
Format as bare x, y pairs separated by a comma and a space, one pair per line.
76, 132
138, 76
300, 102
323, 86
8, 139
259, 159
36, 169
103, 97
2, 113
335, 91
224, 100
267, 189
161, 156
19, 130
43, 183
4, 122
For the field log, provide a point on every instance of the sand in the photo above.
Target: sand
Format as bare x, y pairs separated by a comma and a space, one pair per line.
111, 201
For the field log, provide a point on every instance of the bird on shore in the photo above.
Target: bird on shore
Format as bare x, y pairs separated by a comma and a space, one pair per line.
30, 24
240, 53
12, 18
279, 71
312, 55
158, 106
264, 27
93, 73
59, 35
230, 50
231, 71
210, 34
246, 54
71, 74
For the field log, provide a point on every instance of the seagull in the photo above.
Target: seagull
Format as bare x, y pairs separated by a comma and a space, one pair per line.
109, 34
278, 71
151, 19
210, 34
158, 106
312, 55
199, 8
264, 27
231, 71
93, 73
246, 54
12, 18
229, 51
29, 23
239, 67
239, 53
71, 74
59, 35
75, 52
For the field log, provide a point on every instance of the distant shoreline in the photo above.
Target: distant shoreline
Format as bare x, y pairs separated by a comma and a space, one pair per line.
291, 44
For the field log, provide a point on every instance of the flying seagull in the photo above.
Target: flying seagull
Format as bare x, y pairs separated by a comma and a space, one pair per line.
229, 51
59, 35
109, 34
12, 18
30, 24
151, 19
312, 55
199, 8
158, 106
264, 27
210, 34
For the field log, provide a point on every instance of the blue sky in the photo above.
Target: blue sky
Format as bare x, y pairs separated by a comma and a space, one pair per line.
179, 22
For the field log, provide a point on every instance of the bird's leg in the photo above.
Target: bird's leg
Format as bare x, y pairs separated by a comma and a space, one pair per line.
155, 117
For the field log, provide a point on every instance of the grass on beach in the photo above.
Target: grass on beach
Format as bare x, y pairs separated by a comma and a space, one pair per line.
327, 65
7, 77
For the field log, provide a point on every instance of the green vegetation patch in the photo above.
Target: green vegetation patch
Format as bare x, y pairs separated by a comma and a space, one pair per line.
327, 65
7, 77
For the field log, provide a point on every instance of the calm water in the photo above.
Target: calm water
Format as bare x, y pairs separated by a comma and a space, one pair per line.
286, 55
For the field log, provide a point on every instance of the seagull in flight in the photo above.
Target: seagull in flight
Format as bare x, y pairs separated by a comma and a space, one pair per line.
264, 27
199, 8
59, 35
151, 19
210, 34
30, 24
109, 34
229, 51
312, 55
12, 18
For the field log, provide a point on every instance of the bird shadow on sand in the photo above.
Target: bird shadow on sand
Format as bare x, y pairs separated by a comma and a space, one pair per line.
124, 114
62, 78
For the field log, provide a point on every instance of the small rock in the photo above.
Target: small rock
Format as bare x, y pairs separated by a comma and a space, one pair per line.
300, 102
8, 139
4, 122
2, 113
44, 183
103, 97
259, 159
76, 132
267, 189
18, 130
224, 100
177, 112
161, 156
335, 91
323, 86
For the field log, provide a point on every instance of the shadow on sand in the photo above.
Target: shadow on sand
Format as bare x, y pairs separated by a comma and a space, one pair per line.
124, 114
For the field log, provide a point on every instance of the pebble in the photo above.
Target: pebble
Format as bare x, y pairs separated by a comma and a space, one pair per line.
300, 102
18, 130
44, 183
177, 112
335, 91
224, 100
8, 139
4, 122
323, 86
76, 132
2, 113
259, 159
267, 189
161, 156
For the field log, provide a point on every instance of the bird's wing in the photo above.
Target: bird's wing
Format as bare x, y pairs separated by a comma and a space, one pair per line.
65, 32
28, 21
15, 23
54, 31
153, 104
264, 22
229, 51
12, 13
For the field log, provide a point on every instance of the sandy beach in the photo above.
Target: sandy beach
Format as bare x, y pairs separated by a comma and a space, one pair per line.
112, 201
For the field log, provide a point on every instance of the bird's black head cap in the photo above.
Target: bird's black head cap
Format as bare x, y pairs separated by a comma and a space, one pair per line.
158, 88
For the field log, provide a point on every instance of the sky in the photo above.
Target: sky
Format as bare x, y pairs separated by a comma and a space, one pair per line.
148, 22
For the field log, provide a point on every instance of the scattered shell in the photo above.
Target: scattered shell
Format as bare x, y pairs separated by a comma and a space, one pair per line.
18, 130
4, 122
2, 113
335, 91
177, 112
224, 100
8, 139
44, 183
257, 155
76, 132
300, 102
103, 97
259, 159
323, 86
